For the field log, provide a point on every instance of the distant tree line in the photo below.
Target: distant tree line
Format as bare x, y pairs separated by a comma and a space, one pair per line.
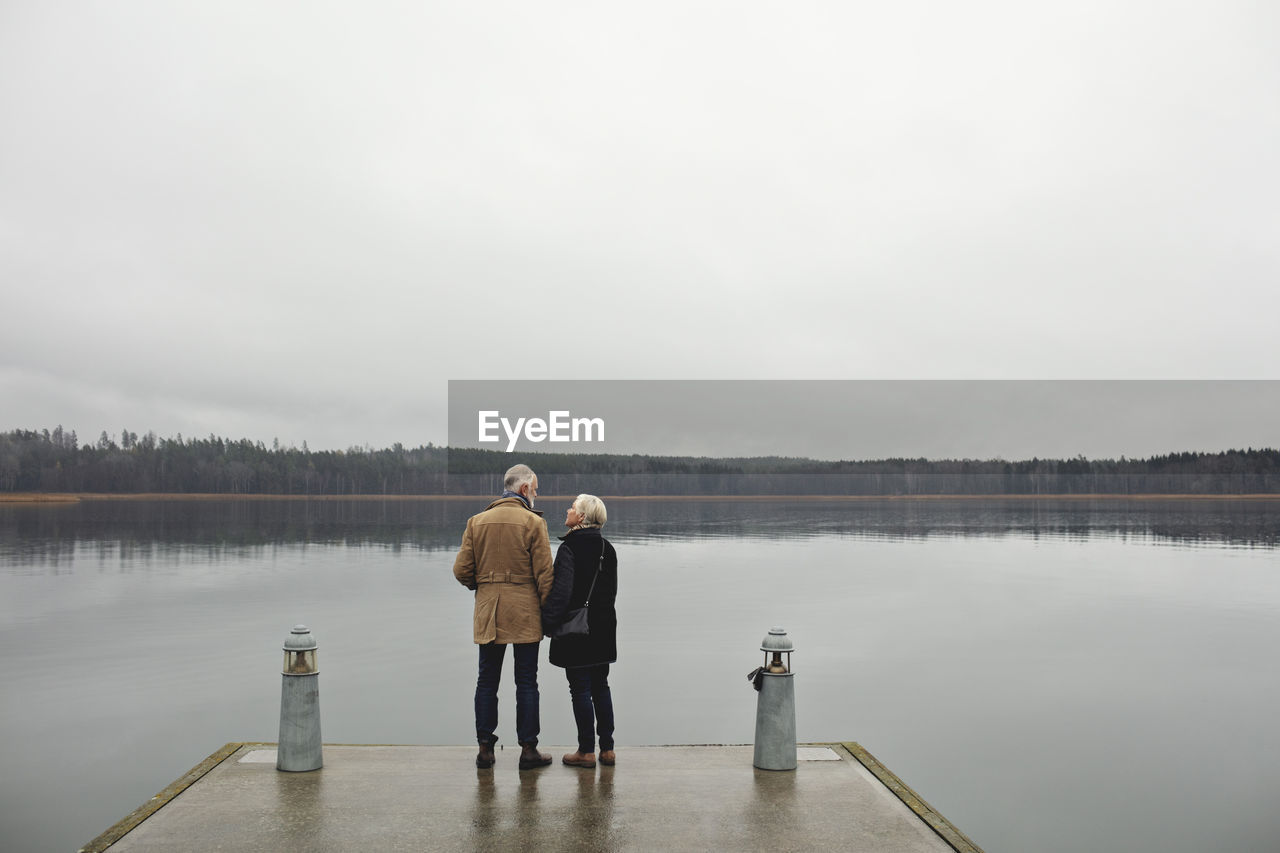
56, 461
1228, 472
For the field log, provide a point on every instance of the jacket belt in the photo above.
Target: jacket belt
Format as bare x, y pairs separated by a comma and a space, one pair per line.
503, 577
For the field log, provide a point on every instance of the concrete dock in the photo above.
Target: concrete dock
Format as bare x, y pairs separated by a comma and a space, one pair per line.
417, 798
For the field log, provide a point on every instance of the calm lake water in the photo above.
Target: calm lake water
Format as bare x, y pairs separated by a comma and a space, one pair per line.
1050, 675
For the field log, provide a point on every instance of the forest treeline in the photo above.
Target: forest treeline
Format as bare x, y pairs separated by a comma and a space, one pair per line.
56, 461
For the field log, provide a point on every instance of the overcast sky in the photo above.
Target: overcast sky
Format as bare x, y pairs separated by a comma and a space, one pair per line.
300, 220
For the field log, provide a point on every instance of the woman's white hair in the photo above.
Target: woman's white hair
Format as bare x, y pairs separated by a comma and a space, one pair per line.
591, 508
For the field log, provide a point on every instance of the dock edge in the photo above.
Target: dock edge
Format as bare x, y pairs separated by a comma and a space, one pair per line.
153, 805
959, 842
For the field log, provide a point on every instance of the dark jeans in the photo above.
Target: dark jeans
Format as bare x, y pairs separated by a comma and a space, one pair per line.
592, 705
526, 658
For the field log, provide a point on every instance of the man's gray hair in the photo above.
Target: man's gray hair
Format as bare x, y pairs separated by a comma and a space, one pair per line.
517, 476
591, 508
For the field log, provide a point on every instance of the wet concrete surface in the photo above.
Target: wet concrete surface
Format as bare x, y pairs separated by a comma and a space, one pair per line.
433, 798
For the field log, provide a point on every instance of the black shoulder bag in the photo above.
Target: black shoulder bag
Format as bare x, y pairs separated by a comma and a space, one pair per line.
575, 622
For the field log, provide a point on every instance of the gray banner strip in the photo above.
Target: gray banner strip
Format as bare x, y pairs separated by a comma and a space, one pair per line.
861, 420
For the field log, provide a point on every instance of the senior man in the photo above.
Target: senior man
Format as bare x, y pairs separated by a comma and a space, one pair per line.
506, 558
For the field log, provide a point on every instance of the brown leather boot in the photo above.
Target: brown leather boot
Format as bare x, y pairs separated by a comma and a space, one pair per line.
531, 758
580, 759
608, 758
485, 757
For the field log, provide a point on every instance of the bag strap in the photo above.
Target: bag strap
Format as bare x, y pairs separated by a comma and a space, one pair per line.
587, 601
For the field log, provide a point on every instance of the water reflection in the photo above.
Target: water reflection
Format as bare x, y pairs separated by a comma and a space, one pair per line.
483, 811
771, 819
981, 646
299, 804
146, 531
501, 821
1237, 522
526, 822
548, 810
595, 794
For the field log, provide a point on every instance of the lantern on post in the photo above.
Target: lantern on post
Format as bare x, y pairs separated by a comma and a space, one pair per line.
775, 745
299, 748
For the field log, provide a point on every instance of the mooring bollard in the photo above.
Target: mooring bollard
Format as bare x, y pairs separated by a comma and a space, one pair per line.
299, 746
776, 705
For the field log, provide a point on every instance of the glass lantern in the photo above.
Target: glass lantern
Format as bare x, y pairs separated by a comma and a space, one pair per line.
776, 643
300, 652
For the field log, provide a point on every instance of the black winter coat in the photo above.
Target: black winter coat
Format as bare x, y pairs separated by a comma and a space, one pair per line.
576, 562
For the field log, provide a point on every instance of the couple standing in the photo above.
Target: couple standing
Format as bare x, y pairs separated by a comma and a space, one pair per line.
520, 595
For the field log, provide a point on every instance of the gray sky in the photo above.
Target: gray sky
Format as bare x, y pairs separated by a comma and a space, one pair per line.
299, 220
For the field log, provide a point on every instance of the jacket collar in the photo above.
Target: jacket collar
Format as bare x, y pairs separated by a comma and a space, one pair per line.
515, 500
586, 531
507, 493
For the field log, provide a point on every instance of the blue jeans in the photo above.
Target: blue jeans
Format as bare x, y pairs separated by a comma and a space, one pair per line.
526, 658
592, 705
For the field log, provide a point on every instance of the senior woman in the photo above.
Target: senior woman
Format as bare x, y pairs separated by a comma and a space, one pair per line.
585, 558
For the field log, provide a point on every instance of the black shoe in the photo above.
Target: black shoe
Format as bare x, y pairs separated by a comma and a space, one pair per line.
531, 758
485, 757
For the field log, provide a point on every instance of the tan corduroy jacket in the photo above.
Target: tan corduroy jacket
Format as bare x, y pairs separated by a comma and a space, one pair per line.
506, 558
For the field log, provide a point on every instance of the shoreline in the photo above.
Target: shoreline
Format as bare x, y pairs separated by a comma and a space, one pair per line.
78, 497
